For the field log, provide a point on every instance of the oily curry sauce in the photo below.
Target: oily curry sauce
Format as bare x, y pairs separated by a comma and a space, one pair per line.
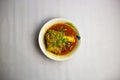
68, 31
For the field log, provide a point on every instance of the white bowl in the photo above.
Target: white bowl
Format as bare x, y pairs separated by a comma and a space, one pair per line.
42, 43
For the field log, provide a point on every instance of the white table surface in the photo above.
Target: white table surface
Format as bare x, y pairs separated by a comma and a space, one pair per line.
98, 57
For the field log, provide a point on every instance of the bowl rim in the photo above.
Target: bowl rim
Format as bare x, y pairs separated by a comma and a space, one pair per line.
42, 32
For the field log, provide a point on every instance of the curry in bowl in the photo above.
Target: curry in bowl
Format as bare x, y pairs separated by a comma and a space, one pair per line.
58, 38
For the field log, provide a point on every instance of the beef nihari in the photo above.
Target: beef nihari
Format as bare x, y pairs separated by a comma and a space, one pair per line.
60, 38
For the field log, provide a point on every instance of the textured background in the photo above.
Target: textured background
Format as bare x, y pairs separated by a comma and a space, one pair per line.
98, 57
